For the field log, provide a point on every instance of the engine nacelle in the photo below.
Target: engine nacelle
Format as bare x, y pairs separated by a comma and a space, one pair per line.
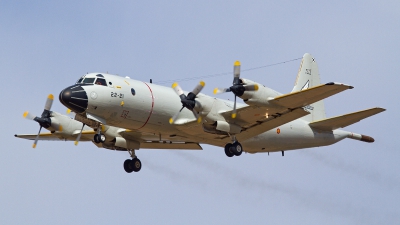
127, 144
259, 97
222, 127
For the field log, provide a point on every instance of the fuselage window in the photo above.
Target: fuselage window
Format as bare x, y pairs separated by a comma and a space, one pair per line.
133, 91
88, 80
101, 81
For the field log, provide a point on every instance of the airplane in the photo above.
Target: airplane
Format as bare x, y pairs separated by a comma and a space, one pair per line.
268, 121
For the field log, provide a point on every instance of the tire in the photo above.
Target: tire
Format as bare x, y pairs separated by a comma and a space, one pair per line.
127, 167
227, 150
135, 165
96, 138
236, 149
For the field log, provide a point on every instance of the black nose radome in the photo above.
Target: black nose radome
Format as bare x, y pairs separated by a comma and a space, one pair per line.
74, 98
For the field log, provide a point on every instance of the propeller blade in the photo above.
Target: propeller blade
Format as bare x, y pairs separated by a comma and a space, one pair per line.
29, 116
236, 72
197, 116
198, 88
178, 90
251, 87
172, 120
234, 109
37, 138
49, 102
221, 90
79, 136
68, 111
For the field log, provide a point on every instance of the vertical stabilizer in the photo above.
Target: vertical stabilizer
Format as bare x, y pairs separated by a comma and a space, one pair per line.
307, 77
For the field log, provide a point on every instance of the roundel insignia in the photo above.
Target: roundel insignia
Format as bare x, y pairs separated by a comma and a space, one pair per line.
93, 95
278, 131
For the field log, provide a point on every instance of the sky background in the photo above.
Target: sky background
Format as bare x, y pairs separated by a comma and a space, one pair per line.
47, 45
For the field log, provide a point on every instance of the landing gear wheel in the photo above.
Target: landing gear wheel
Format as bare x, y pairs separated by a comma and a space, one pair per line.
99, 138
236, 148
135, 164
227, 150
127, 167
102, 138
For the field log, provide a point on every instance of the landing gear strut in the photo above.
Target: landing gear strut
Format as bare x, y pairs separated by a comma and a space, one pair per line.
132, 165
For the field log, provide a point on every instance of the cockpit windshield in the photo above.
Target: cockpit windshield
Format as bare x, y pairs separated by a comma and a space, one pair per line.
99, 80
88, 80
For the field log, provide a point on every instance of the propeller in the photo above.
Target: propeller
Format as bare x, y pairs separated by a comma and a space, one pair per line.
238, 88
44, 120
187, 101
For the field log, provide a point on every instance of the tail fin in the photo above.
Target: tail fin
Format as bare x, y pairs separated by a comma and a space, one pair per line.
307, 77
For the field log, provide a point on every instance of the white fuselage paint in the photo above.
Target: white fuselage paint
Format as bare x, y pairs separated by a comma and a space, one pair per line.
149, 111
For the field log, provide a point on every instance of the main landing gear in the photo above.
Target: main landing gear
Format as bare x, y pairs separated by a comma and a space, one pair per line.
132, 165
234, 148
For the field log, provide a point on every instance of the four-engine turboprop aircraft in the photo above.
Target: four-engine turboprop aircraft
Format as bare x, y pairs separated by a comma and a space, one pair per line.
267, 122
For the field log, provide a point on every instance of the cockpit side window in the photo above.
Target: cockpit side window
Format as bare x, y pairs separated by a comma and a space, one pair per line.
88, 80
101, 81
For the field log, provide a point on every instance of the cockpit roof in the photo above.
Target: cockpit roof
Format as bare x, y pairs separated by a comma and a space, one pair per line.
92, 78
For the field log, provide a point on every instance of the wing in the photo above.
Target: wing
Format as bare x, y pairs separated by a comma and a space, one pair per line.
309, 96
55, 137
151, 140
43, 136
255, 120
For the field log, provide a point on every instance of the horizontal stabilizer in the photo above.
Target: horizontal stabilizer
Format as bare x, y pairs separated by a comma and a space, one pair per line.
310, 95
345, 120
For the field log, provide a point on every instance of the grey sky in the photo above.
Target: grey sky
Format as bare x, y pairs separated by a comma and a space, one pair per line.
47, 45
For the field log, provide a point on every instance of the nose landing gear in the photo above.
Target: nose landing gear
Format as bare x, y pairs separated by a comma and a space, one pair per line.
99, 138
